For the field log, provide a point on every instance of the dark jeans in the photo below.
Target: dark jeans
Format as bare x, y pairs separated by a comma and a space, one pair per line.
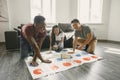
59, 48
25, 48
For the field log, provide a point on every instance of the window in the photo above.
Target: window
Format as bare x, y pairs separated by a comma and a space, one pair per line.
45, 8
90, 11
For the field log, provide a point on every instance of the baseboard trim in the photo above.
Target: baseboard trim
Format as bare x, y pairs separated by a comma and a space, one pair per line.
2, 43
109, 41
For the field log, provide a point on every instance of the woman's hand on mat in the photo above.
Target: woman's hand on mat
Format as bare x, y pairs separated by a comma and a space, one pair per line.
56, 48
49, 52
46, 61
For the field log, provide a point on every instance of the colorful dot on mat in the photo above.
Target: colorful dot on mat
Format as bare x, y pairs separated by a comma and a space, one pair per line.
77, 61
86, 58
78, 55
59, 59
85, 53
67, 64
94, 56
55, 67
37, 71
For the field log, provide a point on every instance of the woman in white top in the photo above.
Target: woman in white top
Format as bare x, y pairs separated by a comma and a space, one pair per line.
56, 39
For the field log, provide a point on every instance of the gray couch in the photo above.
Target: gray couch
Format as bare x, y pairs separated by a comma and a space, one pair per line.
68, 30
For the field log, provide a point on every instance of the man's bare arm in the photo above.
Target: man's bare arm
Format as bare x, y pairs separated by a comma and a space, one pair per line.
40, 42
35, 46
74, 43
50, 42
89, 38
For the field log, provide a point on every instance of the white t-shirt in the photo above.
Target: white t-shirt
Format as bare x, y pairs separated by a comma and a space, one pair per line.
59, 37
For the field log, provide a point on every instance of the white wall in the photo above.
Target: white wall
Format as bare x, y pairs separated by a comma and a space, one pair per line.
4, 26
4, 23
100, 30
63, 11
114, 23
66, 10
19, 12
73, 9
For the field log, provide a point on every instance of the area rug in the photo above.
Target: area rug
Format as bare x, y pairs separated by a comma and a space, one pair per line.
60, 62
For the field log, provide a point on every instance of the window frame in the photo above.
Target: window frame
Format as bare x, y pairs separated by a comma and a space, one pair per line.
40, 12
90, 12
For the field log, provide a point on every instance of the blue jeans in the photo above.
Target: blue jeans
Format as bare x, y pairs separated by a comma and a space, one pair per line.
59, 48
25, 48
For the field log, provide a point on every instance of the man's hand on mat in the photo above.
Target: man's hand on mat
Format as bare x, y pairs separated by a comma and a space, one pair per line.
56, 48
46, 61
34, 63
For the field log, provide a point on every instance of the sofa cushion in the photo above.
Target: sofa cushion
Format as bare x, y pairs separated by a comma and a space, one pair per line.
66, 27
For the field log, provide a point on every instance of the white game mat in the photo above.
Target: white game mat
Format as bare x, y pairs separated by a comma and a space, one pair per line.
60, 62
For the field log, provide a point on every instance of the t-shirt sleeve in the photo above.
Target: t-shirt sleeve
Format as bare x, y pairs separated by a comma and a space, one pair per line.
25, 31
76, 33
87, 29
62, 34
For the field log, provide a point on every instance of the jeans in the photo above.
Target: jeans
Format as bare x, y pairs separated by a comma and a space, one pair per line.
25, 48
59, 48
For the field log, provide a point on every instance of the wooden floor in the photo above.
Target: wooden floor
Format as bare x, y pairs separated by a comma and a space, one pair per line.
11, 68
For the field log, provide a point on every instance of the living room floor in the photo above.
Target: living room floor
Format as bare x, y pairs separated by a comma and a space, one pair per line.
11, 68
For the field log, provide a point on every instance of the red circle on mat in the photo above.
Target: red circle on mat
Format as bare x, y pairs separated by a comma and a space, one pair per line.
94, 56
67, 64
54, 67
77, 61
86, 59
37, 71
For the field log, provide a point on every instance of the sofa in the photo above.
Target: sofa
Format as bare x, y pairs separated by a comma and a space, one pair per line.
12, 38
69, 32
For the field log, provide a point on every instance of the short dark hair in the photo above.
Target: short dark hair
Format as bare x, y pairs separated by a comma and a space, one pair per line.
39, 19
53, 35
75, 21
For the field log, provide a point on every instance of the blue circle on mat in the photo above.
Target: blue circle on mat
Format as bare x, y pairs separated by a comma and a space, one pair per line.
78, 55
85, 53
59, 59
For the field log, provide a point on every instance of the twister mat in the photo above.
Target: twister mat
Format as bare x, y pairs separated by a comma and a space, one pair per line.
60, 62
